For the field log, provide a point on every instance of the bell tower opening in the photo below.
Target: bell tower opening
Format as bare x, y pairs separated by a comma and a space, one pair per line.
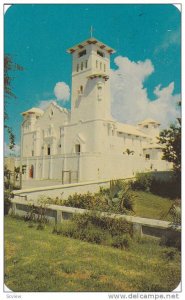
48, 150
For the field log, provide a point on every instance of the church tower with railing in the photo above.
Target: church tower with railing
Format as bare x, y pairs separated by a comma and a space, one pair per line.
90, 81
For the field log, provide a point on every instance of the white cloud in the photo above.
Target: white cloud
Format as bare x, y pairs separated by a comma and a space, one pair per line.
130, 101
14, 152
172, 37
62, 91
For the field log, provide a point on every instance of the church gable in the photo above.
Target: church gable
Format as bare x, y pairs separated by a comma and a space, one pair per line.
54, 115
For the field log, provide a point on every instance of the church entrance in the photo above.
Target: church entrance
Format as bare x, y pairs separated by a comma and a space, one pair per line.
31, 171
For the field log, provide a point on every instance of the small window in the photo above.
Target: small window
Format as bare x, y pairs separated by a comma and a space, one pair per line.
49, 150
145, 126
86, 64
77, 148
96, 64
100, 53
82, 65
100, 65
51, 114
81, 89
82, 53
32, 153
77, 67
147, 156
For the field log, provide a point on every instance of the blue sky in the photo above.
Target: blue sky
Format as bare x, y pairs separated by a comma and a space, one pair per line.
146, 38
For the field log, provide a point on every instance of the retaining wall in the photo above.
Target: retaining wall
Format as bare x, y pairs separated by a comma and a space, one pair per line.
58, 214
62, 191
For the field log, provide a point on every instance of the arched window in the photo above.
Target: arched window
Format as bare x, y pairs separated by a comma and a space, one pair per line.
81, 89
48, 150
100, 88
77, 148
31, 171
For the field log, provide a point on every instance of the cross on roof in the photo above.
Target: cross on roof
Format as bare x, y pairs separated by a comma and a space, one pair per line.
91, 31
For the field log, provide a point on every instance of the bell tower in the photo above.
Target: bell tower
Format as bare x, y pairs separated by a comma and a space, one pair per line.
90, 81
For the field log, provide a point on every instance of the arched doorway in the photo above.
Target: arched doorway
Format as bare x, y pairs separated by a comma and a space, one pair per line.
31, 171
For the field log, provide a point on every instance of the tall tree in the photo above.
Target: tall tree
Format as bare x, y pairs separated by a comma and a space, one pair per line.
9, 65
171, 139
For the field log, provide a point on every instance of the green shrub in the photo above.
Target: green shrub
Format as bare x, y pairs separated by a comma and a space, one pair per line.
143, 182
83, 220
104, 191
119, 198
121, 242
94, 235
68, 228
175, 213
7, 201
126, 198
86, 201
166, 188
115, 226
118, 226
88, 233
94, 228
36, 215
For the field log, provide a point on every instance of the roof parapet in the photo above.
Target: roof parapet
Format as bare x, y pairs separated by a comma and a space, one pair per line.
89, 42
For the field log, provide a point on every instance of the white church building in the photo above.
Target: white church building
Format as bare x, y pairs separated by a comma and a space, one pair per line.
86, 143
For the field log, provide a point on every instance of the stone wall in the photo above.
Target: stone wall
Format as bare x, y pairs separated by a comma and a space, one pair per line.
57, 214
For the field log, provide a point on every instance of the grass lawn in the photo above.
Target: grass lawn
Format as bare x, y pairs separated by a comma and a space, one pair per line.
41, 261
148, 205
